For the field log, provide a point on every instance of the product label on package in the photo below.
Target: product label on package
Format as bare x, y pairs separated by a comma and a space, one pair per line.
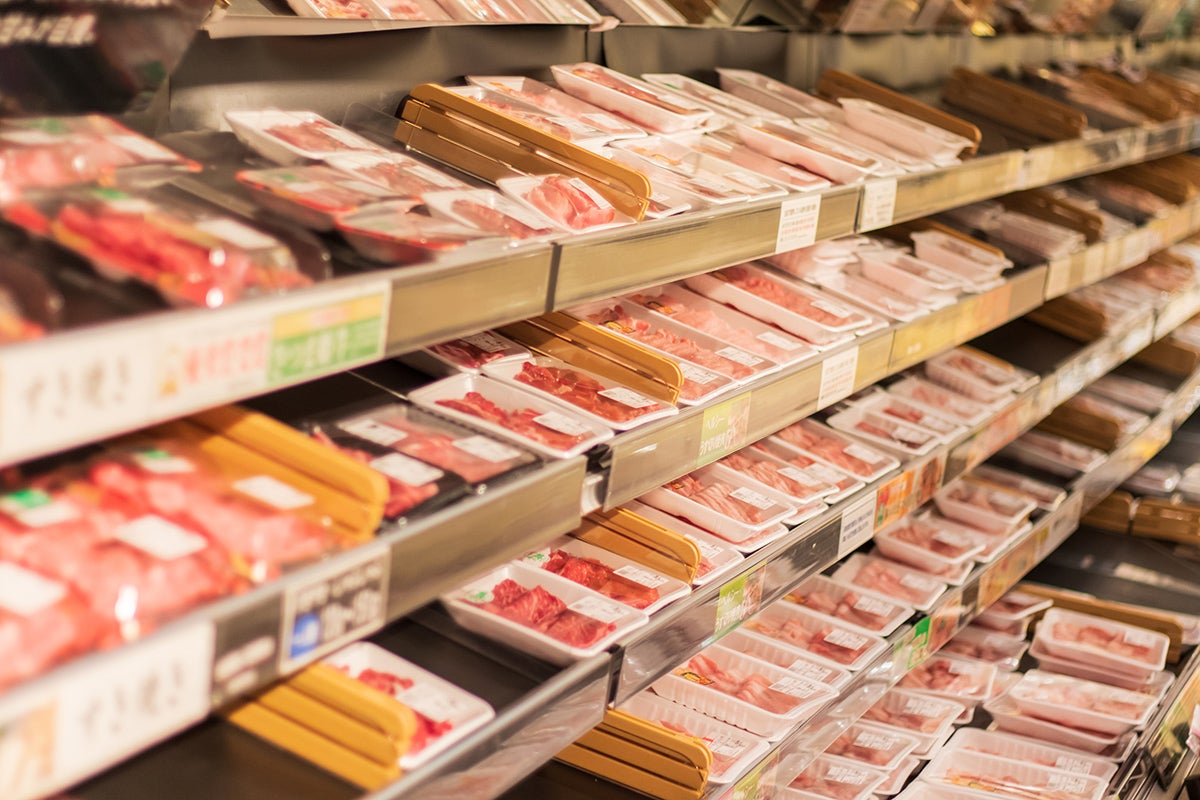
739, 356
160, 538
807, 669
875, 741
846, 639
873, 606
432, 702
775, 340
488, 449
627, 397
344, 604
751, 497
725, 744
862, 453
597, 609
640, 576
406, 470
374, 431
697, 375
798, 475
850, 775
561, 423
487, 342
798, 218
797, 687
25, 593
273, 492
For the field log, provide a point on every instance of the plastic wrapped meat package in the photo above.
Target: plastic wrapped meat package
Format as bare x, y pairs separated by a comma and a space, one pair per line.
870, 612
540, 613
905, 439
984, 507
779, 172
698, 187
52, 152
805, 147
894, 161
983, 645
833, 779
972, 262
403, 175
685, 307
313, 196
1011, 778
919, 281
840, 452
828, 640
1100, 642
686, 156
1081, 704
789, 480
871, 296
1158, 478
512, 103
790, 658
798, 309
512, 413
331, 9
647, 105
1019, 748
733, 750
719, 500
928, 718
786, 101
890, 579
1131, 392
913, 135
493, 214
721, 102
470, 354
1154, 684
445, 713
1007, 717
1045, 240
927, 544
461, 451
601, 400
189, 253
898, 408
812, 469
291, 137
1127, 420
1054, 454
941, 400
742, 691
880, 749
393, 233
570, 202
1047, 496
978, 376
557, 103
961, 679
614, 576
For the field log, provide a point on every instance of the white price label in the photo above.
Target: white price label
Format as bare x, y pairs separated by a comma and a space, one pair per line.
875, 741
641, 576
924, 708
851, 775
236, 233
831, 308
373, 431
917, 582
798, 475
597, 609
406, 470
951, 539
827, 474
1075, 766
160, 538
433, 702
878, 204
858, 525
562, 423
846, 639
874, 606
725, 744
1070, 784
838, 372
751, 497
487, 342
696, 374
798, 218
807, 669
1140, 638
862, 453
487, 449
796, 686
26, 593
627, 397
273, 492
160, 462
739, 356
776, 340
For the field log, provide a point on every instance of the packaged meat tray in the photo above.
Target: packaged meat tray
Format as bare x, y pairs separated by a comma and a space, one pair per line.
491, 11
43, 622
922, 716
960, 679
700, 169
473, 457
993, 542
694, 311
1081, 704
331, 9
719, 500
786, 101
908, 440
445, 713
541, 614
1002, 625
795, 484
291, 137
414, 10
1054, 454
503, 410
1012, 778
720, 102
863, 610
941, 400
188, 253
925, 544
1047, 496
976, 376
906, 411
733, 750
718, 559
647, 105
569, 202
469, 354
831, 641
1101, 642
890, 579
133, 568
393, 233
984, 645
1098, 672
1016, 748
558, 103
600, 400
987, 508
402, 175
898, 778
958, 255
492, 213
915, 279
1155, 479
834, 779
790, 658
1009, 718
843, 482
880, 749
53, 152
871, 296
894, 162
313, 196
781, 301
1127, 420
614, 576
803, 147
780, 172
1140, 396
1015, 606
564, 127
908, 133
703, 188
709, 365
750, 694
265, 523
831, 448
414, 487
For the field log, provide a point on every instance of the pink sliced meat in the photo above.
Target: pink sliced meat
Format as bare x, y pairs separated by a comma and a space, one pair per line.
541, 610
522, 421
579, 390
565, 202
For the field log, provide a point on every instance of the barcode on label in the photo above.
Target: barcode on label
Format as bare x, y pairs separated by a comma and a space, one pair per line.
1075, 766
373, 431
273, 492
850, 775
910, 581
641, 576
627, 397
561, 423
487, 342
862, 453
775, 340
488, 449
873, 606
807, 669
696, 374
759, 501
727, 745
739, 356
846, 639
798, 475
797, 687
875, 741
597, 609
